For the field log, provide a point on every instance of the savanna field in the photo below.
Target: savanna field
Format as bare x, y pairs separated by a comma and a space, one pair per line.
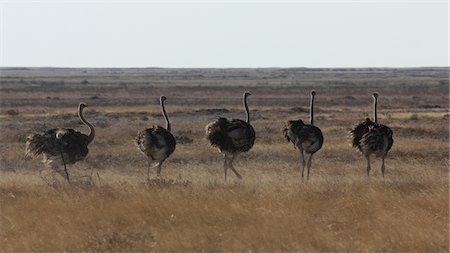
111, 207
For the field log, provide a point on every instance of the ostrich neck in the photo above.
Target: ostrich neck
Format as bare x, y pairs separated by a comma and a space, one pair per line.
311, 111
91, 127
375, 102
247, 114
163, 109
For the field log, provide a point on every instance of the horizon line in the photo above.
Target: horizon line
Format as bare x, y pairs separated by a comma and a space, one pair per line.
273, 67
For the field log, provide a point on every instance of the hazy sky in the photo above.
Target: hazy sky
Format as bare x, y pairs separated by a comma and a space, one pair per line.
225, 34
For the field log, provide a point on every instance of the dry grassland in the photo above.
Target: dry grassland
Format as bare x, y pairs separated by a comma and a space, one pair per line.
111, 208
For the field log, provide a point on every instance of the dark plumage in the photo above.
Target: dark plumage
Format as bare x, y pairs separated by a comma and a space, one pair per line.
61, 146
370, 137
306, 137
156, 138
157, 143
232, 137
72, 144
358, 132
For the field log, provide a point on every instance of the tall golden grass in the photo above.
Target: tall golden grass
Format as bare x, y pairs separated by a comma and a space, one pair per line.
275, 213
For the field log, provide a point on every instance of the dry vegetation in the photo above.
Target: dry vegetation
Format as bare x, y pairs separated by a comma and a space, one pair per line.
111, 208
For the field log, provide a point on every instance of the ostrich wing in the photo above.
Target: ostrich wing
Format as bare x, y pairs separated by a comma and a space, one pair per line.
74, 145
358, 132
241, 133
294, 131
166, 139
230, 136
216, 134
378, 138
156, 137
308, 136
311, 138
389, 134
53, 142
38, 144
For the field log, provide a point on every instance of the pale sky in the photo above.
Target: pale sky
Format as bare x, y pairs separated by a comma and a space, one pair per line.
224, 34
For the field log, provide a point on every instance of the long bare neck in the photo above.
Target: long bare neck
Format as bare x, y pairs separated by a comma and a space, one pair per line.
247, 114
91, 127
311, 111
163, 109
375, 102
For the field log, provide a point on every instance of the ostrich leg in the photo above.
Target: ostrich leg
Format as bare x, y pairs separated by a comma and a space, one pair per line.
60, 171
368, 164
225, 165
302, 158
382, 164
309, 165
149, 166
65, 167
232, 167
158, 168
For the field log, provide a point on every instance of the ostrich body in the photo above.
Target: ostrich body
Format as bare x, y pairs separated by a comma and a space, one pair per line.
372, 138
232, 137
306, 137
61, 146
157, 143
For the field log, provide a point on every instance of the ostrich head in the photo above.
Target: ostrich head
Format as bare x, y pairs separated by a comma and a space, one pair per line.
375, 95
83, 105
163, 98
247, 94
313, 93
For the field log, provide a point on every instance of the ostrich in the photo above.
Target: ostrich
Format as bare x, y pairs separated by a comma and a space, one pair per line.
372, 138
306, 137
157, 143
61, 146
232, 137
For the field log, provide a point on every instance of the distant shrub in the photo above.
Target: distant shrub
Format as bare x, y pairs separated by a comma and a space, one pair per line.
431, 106
85, 81
212, 111
182, 139
414, 116
12, 112
349, 98
299, 109
102, 124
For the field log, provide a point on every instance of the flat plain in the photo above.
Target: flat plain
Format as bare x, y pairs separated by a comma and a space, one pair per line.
111, 207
